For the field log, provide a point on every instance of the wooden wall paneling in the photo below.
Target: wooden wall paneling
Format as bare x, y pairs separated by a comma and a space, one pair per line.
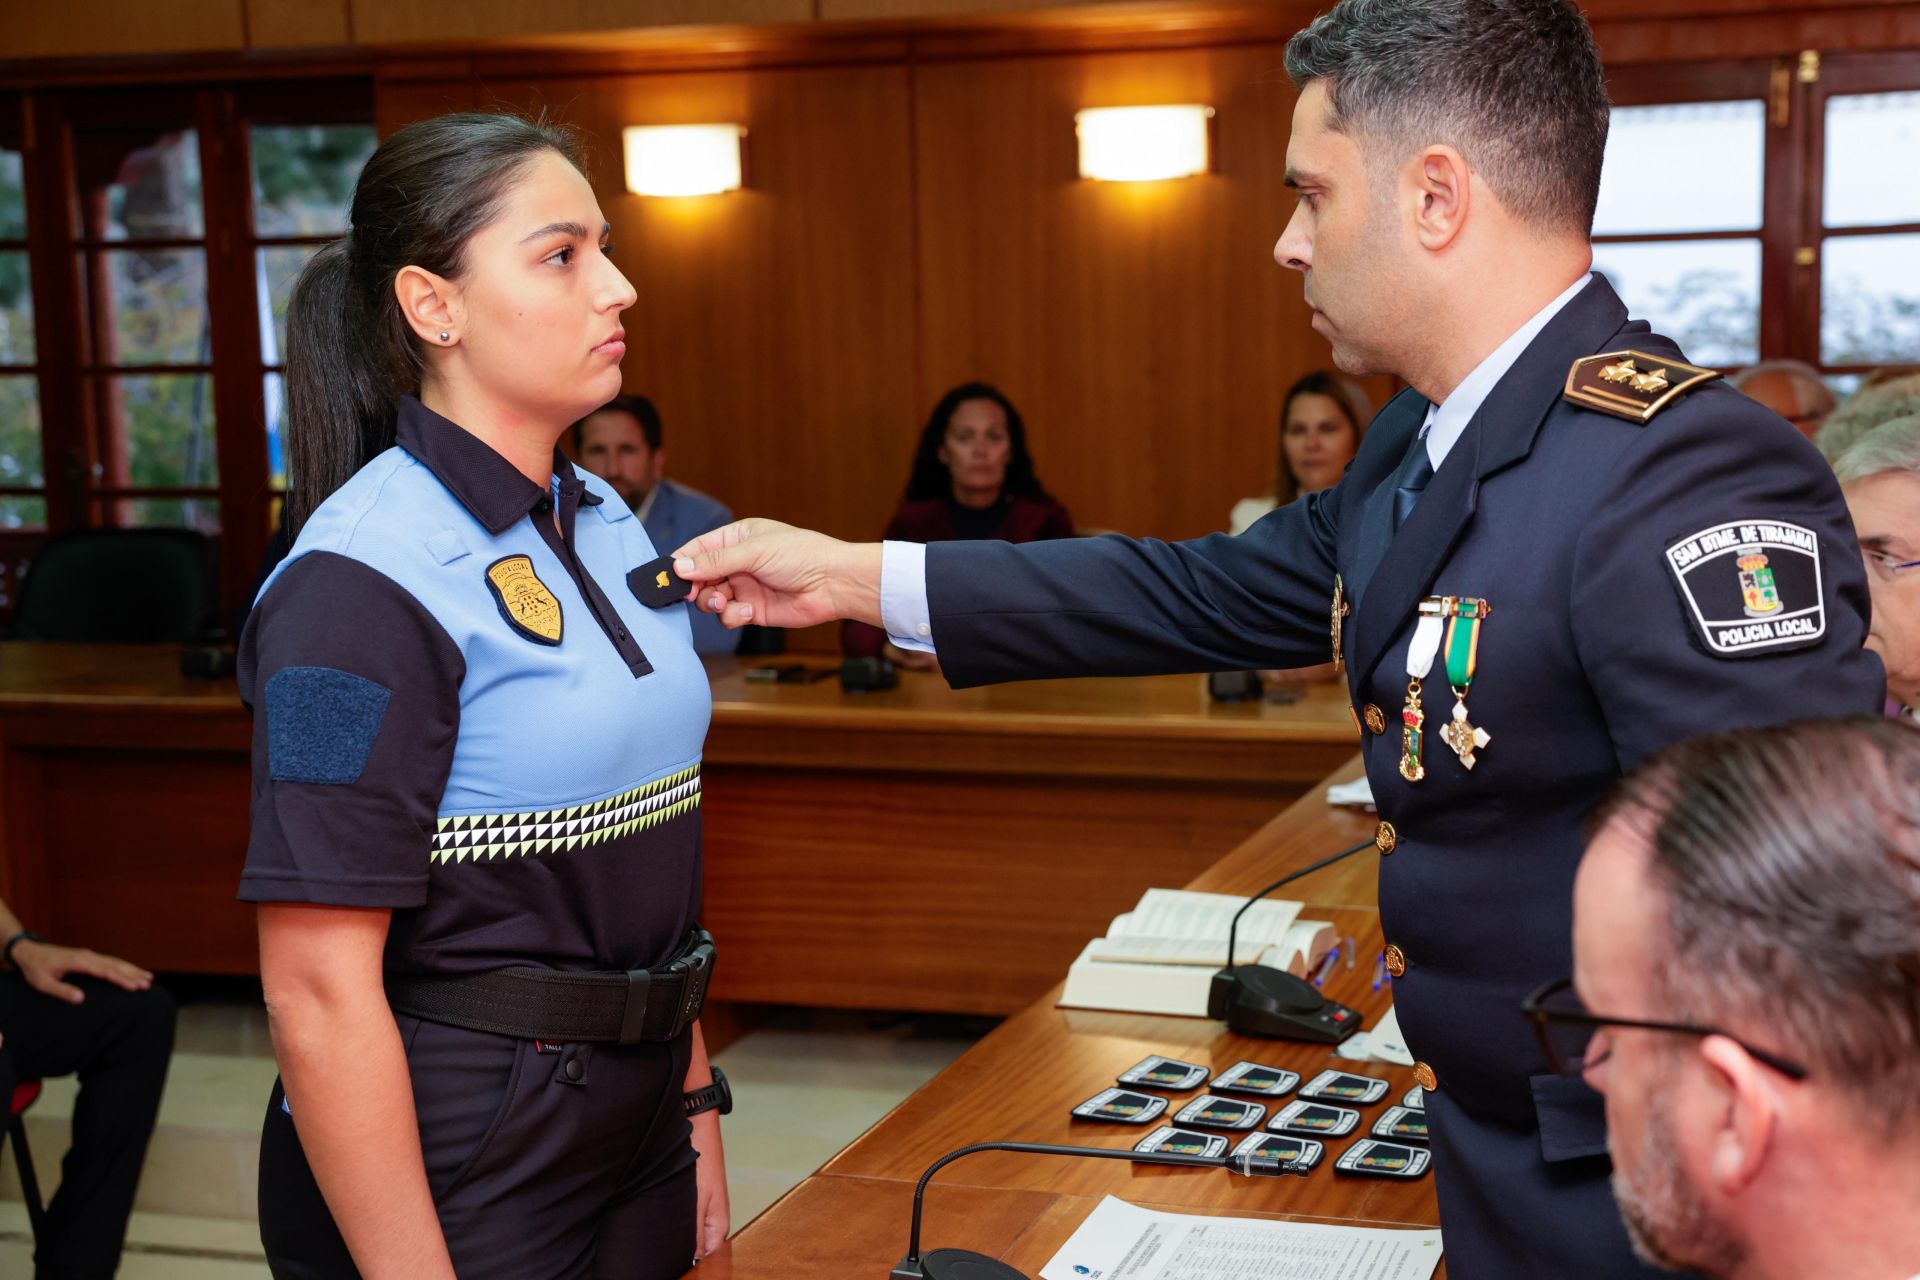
398, 102
289, 24
431, 22
76, 28
1143, 329
774, 324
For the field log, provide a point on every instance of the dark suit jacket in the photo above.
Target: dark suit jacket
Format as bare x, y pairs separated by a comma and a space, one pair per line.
1562, 518
931, 520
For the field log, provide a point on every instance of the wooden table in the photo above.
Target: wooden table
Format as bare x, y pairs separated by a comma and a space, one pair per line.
850, 838
850, 1219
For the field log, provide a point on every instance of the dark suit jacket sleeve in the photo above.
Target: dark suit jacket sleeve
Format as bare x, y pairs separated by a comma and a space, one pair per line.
1120, 606
1655, 679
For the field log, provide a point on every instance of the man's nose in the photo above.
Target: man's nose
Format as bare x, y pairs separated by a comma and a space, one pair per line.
1293, 249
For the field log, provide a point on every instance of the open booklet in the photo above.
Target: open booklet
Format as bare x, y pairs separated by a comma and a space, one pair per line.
1161, 956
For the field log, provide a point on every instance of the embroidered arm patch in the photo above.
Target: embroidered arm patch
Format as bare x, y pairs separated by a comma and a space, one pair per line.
321, 724
1751, 586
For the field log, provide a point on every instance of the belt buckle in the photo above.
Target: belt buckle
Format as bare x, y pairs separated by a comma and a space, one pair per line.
696, 968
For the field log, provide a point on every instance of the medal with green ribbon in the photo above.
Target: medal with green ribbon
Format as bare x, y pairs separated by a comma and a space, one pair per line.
1464, 615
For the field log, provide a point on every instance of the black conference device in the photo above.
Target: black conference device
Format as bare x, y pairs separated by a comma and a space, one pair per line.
964, 1264
1259, 1000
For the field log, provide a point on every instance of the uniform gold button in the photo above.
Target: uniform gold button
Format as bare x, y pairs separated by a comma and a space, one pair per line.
1396, 961
1424, 1077
1385, 838
1376, 718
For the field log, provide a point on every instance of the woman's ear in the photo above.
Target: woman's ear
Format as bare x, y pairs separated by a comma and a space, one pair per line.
431, 305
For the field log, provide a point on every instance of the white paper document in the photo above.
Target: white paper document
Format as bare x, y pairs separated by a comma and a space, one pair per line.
1382, 1044
1120, 1241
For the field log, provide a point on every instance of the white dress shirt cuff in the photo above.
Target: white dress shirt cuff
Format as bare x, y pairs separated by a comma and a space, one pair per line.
903, 596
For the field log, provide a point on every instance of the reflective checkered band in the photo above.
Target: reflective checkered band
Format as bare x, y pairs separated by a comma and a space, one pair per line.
477, 836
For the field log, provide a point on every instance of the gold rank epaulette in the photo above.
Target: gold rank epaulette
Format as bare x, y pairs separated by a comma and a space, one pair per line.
1632, 384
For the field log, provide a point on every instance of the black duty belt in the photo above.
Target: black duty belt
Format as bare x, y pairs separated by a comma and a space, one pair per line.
567, 1007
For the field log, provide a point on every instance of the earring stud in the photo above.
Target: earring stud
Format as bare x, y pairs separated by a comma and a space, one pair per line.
445, 336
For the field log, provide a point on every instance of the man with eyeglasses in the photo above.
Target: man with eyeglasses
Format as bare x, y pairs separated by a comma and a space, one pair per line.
1880, 475
1747, 996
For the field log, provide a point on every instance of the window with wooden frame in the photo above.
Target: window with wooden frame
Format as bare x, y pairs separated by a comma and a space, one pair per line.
1763, 210
165, 227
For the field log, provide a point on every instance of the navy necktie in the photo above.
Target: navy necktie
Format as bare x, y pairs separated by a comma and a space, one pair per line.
1413, 477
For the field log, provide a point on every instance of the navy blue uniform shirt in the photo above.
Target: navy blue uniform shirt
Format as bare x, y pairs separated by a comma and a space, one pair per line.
464, 714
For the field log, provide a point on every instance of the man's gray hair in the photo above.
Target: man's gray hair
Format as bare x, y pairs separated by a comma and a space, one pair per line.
1515, 86
1891, 446
1789, 859
1866, 409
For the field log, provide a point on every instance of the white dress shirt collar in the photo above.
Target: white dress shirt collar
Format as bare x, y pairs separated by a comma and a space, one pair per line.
1447, 420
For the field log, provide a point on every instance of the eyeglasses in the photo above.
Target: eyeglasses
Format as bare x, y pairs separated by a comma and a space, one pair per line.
1884, 566
1565, 1030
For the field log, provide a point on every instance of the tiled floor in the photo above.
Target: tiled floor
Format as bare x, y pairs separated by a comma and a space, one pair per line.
805, 1085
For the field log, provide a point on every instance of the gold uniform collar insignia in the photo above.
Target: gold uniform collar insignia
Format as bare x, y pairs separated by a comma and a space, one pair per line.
1632, 384
525, 602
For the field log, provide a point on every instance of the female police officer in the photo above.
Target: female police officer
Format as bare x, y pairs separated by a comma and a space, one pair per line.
476, 758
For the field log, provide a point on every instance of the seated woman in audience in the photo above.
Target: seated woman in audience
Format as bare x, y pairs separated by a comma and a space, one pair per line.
1321, 422
972, 479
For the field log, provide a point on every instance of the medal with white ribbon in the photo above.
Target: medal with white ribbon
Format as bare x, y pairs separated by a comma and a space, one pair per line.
1464, 616
1426, 643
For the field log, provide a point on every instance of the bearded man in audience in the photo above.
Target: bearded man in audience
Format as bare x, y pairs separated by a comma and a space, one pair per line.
1747, 997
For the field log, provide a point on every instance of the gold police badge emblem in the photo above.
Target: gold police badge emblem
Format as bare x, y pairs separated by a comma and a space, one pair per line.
1632, 384
524, 600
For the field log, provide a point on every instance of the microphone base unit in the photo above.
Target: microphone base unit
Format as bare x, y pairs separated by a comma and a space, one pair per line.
955, 1264
1271, 1004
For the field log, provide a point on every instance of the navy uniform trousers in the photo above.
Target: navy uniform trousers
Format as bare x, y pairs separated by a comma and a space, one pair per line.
1575, 527
572, 1165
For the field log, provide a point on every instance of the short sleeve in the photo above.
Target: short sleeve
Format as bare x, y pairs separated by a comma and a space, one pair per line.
355, 693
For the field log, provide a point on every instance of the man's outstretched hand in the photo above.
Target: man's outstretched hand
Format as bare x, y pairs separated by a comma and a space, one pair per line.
779, 576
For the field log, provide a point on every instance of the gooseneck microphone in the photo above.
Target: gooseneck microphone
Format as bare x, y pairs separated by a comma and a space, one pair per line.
1259, 1000
964, 1264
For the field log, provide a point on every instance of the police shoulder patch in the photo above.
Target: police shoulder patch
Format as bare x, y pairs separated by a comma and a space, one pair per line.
1632, 384
525, 602
1751, 586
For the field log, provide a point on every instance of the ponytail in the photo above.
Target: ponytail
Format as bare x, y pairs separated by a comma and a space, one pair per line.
341, 401
351, 354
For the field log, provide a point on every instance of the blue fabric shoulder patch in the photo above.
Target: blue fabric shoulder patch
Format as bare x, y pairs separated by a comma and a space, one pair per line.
321, 724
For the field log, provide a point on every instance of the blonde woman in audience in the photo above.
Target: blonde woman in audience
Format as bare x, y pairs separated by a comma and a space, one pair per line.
1880, 475
1321, 422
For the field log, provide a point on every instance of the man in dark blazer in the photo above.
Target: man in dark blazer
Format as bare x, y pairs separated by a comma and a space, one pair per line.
1560, 550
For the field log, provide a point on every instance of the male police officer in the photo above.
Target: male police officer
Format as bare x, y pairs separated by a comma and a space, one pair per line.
1560, 550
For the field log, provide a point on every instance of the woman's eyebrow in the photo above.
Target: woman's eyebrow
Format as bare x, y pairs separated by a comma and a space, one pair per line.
573, 230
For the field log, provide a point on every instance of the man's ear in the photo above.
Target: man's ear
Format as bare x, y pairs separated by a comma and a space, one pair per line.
1439, 186
431, 305
1745, 1115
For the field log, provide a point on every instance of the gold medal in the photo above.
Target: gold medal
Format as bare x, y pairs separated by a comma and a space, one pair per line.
1412, 721
1341, 608
1465, 738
